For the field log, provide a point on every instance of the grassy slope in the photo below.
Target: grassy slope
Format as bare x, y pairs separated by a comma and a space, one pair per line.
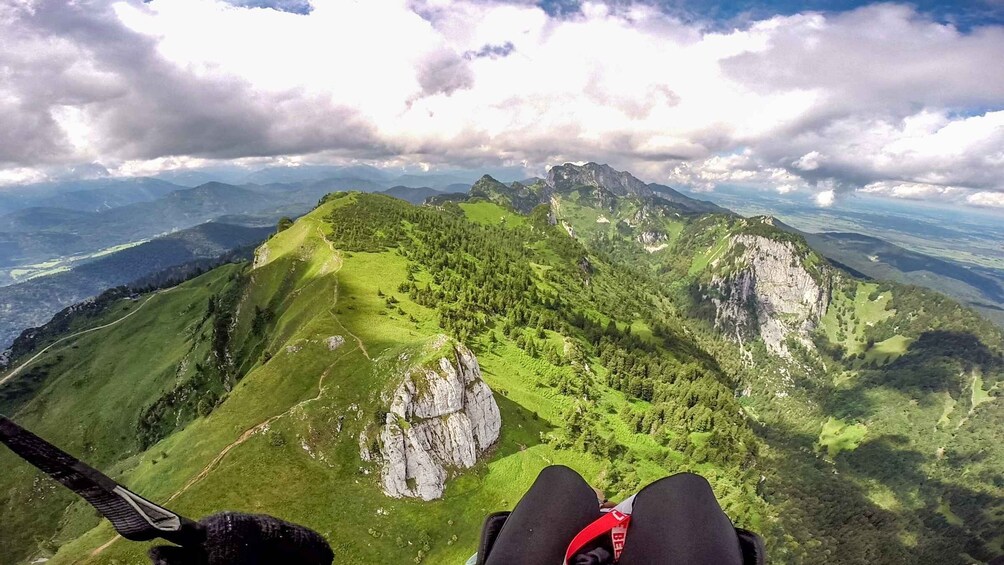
489, 213
709, 256
900, 426
866, 420
837, 436
591, 223
102, 406
274, 445
300, 468
851, 313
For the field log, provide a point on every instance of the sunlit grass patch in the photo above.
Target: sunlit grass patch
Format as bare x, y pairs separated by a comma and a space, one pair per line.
838, 435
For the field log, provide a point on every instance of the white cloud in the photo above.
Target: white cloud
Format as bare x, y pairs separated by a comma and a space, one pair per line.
986, 198
913, 190
808, 162
826, 198
869, 98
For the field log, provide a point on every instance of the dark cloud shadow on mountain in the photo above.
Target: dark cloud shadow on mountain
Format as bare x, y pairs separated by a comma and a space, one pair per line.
521, 428
830, 502
820, 506
937, 362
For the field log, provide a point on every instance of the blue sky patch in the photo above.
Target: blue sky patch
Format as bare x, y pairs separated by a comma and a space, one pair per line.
302, 7
965, 14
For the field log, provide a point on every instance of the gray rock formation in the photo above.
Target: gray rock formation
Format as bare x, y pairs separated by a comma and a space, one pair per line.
517, 195
570, 176
651, 237
442, 416
770, 294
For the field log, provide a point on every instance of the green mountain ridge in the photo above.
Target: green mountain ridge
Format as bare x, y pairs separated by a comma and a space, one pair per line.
31, 303
623, 334
983, 289
601, 185
37, 235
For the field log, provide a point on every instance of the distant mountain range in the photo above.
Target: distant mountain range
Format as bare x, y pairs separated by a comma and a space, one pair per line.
59, 242
33, 302
60, 227
415, 195
85, 196
42, 233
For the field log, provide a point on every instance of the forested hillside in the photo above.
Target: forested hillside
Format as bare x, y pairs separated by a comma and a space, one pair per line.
625, 334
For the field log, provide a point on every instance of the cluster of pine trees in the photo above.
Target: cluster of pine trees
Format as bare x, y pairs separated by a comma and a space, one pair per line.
525, 284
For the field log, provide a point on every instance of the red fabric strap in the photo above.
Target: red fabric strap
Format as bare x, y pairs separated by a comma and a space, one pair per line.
614, 522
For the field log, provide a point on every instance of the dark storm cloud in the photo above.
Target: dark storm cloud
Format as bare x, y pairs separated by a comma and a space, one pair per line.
140, 106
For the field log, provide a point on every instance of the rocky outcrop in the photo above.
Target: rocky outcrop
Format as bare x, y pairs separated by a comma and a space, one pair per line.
568, 228
517, 196
653, 241
651, 237
260, 256
769, 292
442, 417
570, 176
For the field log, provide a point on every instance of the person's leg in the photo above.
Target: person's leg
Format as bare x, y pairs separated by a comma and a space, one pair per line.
678, 520
558, 505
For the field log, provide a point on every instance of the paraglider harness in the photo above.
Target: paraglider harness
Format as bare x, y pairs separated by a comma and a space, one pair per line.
224, 538
613, 525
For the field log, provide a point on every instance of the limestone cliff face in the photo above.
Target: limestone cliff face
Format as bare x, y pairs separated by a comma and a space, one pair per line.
442, 416
770, 293
569, 176
651, 237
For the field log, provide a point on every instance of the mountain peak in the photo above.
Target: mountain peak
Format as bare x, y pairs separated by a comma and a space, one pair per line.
515, 196
486, 186
620, 183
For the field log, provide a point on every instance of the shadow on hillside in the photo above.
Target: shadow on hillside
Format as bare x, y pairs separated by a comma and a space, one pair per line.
895, 497
826, 512
937, 362
828, 503
17, 392
521, 428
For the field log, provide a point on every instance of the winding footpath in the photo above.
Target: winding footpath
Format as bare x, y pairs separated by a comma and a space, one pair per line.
250, 432
338, 259
18, 369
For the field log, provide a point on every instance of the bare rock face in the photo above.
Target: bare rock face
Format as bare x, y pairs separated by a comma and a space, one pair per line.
771, 294
651, 237
569, 176
442, 416
260, 256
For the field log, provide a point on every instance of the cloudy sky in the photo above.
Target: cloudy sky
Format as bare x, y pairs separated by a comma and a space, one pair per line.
903, 100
